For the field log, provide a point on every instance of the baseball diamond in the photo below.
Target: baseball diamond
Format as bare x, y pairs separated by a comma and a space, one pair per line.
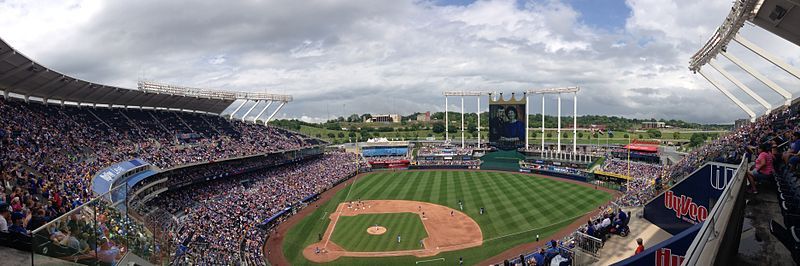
351, 233
516, 208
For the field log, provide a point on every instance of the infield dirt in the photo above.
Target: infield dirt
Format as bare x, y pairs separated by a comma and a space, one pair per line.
448, 230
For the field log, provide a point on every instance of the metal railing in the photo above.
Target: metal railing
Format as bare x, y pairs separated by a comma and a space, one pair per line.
588, 244
99, 232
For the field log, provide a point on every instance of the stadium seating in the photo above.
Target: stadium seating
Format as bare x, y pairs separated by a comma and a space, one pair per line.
775, 129
51, 152
214, 214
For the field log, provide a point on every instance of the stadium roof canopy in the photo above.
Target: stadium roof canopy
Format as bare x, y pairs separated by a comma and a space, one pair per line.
21, 75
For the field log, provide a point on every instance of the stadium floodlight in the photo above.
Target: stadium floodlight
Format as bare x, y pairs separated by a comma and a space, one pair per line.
463, 93
741, 11
573, 89
446, 121
162, 88
558, 91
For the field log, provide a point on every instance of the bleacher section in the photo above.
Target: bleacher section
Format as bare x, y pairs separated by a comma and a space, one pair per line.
51, 152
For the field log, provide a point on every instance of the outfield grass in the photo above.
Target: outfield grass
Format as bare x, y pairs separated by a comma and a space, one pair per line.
351, 232
518, 207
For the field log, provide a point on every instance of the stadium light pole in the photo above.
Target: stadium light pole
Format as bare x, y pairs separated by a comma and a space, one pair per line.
462, 121
527, 114
479, 121
462, 94
446, 124
558, 91
574, 124
559, 125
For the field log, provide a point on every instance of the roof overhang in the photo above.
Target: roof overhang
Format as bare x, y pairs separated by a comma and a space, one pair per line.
23, 76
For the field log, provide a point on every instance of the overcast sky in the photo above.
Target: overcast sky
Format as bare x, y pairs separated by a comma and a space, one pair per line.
340, 57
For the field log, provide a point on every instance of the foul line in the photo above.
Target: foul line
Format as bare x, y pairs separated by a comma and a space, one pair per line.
339, 214
423, 261
534, 229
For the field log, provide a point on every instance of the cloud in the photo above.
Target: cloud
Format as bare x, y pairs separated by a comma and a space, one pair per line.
341, 57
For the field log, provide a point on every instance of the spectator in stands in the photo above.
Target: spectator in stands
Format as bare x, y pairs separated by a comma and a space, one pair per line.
639, 246
792, 156
763, 169
621, 219
540, 257
5, 216
107, 252
18, 226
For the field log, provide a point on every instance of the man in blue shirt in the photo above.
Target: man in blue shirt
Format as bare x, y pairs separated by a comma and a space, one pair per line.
539, 257
17, 227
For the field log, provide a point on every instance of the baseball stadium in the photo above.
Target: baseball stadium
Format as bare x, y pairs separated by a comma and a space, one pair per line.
230, 148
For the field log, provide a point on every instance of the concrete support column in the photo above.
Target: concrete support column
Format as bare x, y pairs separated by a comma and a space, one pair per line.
250, 110
255, 119
237, 109
730, 96
273, 113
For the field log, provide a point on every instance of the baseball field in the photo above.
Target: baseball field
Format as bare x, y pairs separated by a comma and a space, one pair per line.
434, 217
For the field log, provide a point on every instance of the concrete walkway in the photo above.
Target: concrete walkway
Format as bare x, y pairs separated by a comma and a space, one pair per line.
618, 248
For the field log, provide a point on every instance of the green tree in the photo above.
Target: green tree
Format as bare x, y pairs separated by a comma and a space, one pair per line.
564, 135
626, 135
438, 128
580, 135
351, 134
654, 133
697, 139
331, 135
676, 135
549, 134
341, 135
354, 118
641, 136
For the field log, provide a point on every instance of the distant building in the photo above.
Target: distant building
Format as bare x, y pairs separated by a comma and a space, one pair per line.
390, 118
424, 117
654, 125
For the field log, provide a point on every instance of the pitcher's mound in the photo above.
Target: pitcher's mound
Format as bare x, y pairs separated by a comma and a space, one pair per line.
376, 230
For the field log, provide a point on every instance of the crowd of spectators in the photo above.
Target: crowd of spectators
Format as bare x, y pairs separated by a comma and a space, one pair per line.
218, 218
448, 162
51, 152
443, 149
642, 185
773, 139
